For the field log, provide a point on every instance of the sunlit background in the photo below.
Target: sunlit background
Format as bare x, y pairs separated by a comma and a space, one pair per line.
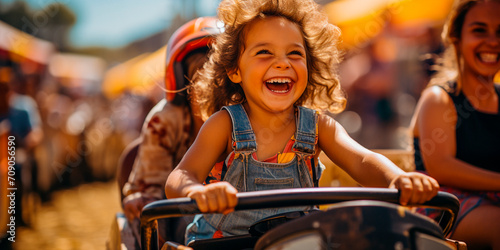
95, 68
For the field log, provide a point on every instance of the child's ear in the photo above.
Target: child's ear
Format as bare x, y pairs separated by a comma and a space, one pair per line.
234, 76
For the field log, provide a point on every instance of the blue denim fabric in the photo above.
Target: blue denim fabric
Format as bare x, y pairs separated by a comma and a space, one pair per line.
199, 229
305, 137
247, 174
242, 135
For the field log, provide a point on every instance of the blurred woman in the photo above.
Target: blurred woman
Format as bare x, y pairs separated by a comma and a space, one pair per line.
456, 126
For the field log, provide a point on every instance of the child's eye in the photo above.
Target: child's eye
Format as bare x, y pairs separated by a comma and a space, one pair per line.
262, 52
296, 52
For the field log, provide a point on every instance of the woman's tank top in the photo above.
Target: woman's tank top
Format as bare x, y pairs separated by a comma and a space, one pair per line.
477, 135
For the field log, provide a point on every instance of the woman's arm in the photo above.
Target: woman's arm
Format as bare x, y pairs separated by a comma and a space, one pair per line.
186, 179
435, 122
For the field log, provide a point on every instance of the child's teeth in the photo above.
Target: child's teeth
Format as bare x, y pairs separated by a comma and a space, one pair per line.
278, 91
488, 57
279, 80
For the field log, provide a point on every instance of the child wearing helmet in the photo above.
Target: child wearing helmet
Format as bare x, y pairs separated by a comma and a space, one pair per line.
169, 128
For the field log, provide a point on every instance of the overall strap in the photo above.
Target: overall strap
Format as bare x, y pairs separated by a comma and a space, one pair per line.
305, 136
242, 135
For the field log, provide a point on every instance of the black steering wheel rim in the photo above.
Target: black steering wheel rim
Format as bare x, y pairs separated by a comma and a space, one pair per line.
289, 197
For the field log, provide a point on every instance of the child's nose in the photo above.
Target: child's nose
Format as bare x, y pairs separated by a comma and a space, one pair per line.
282, 63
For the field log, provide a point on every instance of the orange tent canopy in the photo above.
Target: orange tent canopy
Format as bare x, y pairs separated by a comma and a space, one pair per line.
361, 20
141, 75
25, 45
420, 12
77, 69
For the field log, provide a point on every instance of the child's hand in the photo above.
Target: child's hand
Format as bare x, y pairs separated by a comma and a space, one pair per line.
133, 204
218, 197
415, 188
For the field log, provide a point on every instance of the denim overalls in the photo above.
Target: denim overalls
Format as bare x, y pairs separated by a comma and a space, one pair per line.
247, 174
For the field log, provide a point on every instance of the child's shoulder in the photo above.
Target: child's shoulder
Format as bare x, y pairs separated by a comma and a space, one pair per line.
326, 124
218, 127
220, 117
325, 119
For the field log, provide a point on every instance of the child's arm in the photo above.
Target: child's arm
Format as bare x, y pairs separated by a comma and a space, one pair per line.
186, 179
369, 168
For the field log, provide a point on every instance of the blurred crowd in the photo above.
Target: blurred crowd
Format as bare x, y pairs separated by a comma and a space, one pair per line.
67, 132
383, 79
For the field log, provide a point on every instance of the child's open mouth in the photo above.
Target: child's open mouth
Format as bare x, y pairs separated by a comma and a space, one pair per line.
279, 85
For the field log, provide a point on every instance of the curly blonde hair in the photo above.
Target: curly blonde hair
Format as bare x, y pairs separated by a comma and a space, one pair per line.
213, 88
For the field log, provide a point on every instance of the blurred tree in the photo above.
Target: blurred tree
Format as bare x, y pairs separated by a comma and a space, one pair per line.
60, 22
51, 23
12, 14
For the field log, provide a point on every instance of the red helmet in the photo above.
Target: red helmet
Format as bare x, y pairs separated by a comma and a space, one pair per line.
194, 35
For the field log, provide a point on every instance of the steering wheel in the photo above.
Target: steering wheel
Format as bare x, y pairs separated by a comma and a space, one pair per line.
287, 198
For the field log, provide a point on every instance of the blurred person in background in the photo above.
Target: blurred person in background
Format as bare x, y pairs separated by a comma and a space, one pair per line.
19, 123
168, 131
21, 100
456, 126
371, 94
